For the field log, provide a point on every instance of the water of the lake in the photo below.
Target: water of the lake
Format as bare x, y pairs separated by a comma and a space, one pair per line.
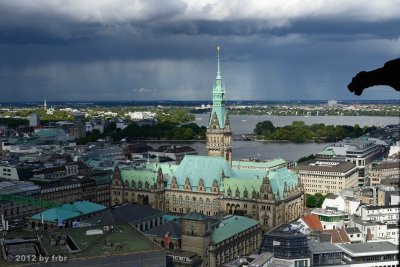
287, 151
247, 123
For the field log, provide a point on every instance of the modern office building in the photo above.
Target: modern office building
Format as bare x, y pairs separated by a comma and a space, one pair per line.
324, 254
322, 176
34, 120
360, 151
287, 242
372, 254
79, 129
384, 170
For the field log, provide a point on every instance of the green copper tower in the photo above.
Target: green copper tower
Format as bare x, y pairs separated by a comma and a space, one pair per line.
219, 134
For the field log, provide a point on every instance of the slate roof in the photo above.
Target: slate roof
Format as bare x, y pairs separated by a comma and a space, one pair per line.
69, 211
382, 207
370, 247
312, 221
342, 166
124, 213
173, 228
231, 226
352, 230
388, 165
322, 247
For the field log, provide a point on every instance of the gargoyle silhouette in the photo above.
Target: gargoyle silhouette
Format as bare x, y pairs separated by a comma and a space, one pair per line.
388, 75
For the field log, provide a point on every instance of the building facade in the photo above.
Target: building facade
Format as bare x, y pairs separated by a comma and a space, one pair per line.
361, 151
265, 191
378, 172
288, 243
327, 176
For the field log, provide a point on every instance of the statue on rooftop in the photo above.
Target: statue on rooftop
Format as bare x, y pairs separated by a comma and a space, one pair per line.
388, 75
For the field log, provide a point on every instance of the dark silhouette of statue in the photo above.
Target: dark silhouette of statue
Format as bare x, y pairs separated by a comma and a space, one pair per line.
388, 75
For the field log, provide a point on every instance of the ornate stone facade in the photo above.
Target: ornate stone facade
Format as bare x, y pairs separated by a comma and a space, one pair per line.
209, 185
265, 191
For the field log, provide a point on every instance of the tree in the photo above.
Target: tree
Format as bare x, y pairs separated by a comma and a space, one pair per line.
188, 134
311, 201
305, 158
264, 127
319, 199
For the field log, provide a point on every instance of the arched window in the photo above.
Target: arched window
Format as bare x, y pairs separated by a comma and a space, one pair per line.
201, 202
208, 203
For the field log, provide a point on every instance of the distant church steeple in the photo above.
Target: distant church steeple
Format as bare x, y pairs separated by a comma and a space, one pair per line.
219, 134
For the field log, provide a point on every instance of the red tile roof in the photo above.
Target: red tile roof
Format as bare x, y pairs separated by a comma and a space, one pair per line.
313, 222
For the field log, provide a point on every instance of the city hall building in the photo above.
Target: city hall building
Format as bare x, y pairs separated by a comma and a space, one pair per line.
265, 191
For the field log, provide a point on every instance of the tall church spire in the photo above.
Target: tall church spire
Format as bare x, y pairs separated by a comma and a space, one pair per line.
219, 131
218, 67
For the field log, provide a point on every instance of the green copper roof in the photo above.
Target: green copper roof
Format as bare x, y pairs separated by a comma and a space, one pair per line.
252, 180
48, 132
327, 152
278, 179
218, 97
68, 211
209, 169
241, 185
202, 167
130, 175
195, 216
231, 226
264, 164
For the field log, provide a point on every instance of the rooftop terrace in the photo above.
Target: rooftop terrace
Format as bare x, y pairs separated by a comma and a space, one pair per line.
76, 244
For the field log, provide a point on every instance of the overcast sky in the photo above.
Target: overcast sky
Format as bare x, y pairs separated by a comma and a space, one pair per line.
159, 49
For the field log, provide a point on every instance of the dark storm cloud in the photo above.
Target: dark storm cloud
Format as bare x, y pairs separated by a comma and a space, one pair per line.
147, 50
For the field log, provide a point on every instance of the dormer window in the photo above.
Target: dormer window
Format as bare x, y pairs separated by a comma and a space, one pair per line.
245, 193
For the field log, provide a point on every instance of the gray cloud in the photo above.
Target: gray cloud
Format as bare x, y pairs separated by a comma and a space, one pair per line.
120, 49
